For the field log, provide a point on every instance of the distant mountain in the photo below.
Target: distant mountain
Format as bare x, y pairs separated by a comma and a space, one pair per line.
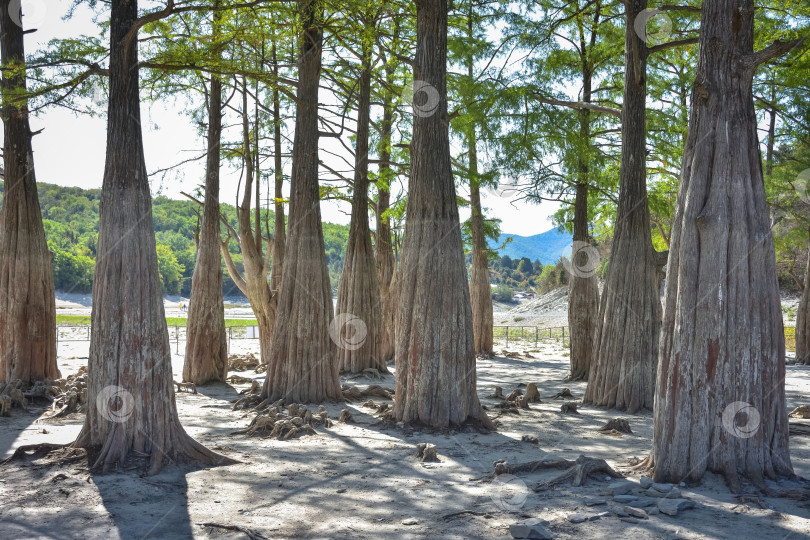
546, 247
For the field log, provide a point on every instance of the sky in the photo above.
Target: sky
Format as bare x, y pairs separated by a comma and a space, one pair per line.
70, 150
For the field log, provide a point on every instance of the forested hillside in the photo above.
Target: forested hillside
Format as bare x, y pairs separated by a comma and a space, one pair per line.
70, 217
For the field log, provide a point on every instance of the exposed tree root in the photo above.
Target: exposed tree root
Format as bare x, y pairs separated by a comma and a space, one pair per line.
619, 425
296, 421
504, 467
569, 407
513, 395
253, 535
375, 390
577, 474
498, 393
243, 362
187, 386
69, 394
370, 404
238, 379
800, 412
32, 452
521, 402
532, 395
11, 395
255, 388
346, 417
426, 452
566, 393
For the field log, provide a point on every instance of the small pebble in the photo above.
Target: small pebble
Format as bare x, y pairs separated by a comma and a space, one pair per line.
410, 521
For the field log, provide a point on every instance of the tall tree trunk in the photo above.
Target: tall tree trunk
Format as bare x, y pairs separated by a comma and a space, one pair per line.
279, 224
435, 357
358, 323
28, 323
302, 366
130, 390
383, 249
206, 343
803, 321
720, 395
480, 289
583, 289
622, 374
256, 260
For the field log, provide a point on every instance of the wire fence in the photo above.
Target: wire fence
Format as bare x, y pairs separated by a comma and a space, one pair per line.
177, 335
509, 334
530, 334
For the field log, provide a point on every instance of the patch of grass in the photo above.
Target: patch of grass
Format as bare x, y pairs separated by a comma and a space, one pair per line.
518, 319
84, 320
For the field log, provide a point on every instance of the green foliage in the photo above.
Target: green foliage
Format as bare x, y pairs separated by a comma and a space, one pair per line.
70, 219
503, 293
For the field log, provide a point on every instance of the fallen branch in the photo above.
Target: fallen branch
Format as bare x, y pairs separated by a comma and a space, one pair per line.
577, 474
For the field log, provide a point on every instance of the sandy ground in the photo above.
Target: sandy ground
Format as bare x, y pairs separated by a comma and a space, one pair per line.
363, 481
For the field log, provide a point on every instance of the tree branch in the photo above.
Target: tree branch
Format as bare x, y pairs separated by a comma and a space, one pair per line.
579, 105
774, 50
672, 45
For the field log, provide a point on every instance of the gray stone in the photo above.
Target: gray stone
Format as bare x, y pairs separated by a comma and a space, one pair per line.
629, 520
410, 521
595, 502
624, 498
671, 507
643, 502
577, 518
620, 488
600, 515
653, 511
635, 512
532, 528
672, 494
621, 513
645, 482
663, 488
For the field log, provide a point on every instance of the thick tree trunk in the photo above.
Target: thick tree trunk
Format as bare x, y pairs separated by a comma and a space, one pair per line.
583, 290
206, 343
435, 357
622, 374
720, 396
28, 322
480, 289
130, 390
803, 321
358, 323
302, 366
383, 249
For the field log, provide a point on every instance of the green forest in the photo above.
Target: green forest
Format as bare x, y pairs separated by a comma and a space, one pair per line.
70, 218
